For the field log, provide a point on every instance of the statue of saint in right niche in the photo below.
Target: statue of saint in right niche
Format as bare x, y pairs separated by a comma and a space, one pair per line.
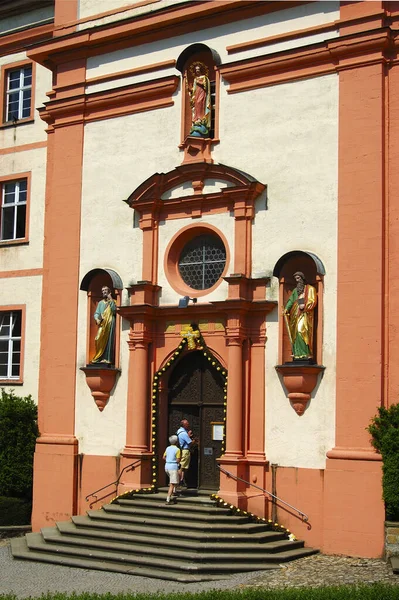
200, 100
299, 317
105, 317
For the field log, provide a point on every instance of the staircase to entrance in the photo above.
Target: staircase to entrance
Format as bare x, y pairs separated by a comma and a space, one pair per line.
192, 540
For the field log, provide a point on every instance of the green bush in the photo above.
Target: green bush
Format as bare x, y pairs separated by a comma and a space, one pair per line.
384, 430
15, 511
18, 433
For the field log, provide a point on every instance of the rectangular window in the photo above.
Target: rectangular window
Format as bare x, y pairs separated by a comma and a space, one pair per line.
18, 99
13, 210
10, 344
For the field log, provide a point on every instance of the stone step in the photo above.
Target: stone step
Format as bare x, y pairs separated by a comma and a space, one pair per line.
52, 535
162, 511
185, 504
143, 537
170, 531
247, 527
20, 550
36, 543
233, 544
189, 492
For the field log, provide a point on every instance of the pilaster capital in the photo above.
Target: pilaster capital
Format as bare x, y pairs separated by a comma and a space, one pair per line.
235, 335
258, 336
148, 221
138, 344
234, 341
140, 335
243, 210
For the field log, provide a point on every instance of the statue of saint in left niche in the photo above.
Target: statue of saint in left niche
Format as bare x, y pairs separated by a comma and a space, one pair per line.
105, 317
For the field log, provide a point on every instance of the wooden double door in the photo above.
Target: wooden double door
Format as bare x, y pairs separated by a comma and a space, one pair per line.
195, 393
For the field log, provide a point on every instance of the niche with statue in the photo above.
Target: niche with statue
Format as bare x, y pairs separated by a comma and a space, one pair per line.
103, 287
200, 91
301, 279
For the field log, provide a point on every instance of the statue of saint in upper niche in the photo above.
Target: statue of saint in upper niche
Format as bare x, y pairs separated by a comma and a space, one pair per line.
200, 100
105, 316
299, 317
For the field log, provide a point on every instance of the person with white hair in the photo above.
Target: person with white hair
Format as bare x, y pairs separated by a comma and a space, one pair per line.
172, 461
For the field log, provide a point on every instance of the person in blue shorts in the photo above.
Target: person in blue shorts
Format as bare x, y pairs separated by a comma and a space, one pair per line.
172, 462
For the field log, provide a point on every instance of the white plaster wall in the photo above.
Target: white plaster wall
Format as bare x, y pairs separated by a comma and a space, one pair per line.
218, 38
27, 133
28, 256
26, 291
91, 8
224, 223
287, 138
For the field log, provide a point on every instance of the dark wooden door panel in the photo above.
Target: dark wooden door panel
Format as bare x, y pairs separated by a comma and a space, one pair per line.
196, 394
210, 449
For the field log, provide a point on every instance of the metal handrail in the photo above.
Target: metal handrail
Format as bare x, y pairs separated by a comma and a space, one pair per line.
303, 515
130, 467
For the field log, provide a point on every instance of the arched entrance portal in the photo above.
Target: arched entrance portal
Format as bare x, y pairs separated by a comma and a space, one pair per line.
195, 393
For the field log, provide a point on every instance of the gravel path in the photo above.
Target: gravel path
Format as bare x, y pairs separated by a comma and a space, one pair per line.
25, 578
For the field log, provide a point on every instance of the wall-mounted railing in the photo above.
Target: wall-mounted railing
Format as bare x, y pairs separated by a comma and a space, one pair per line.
115, 483
275, 499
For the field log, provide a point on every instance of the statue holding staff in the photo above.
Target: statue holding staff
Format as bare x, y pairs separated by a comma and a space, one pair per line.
299, 317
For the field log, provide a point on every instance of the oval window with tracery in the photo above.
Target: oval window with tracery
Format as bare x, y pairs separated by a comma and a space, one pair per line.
202, 261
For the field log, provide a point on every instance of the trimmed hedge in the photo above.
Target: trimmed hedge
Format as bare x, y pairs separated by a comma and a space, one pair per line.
15, 511
384, 430
376, 591
18, 433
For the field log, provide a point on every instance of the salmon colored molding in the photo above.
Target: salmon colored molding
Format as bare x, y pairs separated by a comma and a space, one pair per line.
315, 30
173, 251
354, 454
106, 105
23, 148
18, 41
22, 308
149, 194
3, 87
171, 22
21, 273
321, 59
166, 64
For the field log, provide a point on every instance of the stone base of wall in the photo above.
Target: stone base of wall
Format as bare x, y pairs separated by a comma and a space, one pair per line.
391, 539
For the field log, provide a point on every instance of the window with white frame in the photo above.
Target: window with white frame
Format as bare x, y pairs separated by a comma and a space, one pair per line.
10, 344
18, 93
13, 210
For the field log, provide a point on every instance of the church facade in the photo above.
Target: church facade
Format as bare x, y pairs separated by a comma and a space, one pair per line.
199, 221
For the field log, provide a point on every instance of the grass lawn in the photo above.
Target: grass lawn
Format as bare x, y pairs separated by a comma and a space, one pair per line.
375, 591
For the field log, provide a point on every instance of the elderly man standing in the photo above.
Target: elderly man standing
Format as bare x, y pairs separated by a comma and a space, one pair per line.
185, 442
